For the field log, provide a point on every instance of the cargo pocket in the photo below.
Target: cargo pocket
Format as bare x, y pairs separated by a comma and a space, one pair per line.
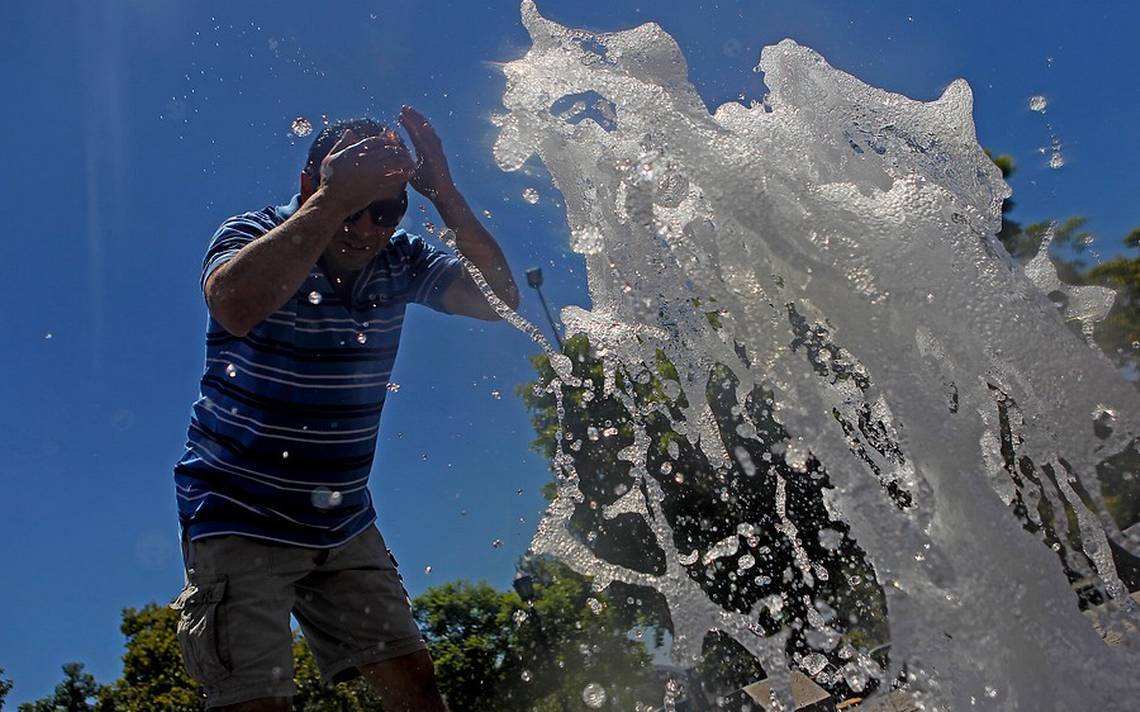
200, 636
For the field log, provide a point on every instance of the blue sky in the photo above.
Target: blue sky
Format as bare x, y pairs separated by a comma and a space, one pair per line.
134, 127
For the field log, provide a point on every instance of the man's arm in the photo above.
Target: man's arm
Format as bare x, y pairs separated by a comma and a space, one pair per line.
265, 273
432, 179
463, 296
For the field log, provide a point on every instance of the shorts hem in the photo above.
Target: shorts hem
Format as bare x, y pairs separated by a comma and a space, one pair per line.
250, 692
395, 649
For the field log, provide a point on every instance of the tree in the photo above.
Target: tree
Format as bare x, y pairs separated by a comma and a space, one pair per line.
77, 693
154, 678
5, 688
315, 696
493, 651
710, 512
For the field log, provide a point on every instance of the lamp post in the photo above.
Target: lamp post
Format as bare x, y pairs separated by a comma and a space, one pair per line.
534, 279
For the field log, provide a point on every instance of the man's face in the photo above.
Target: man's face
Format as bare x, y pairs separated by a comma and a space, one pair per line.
360, 238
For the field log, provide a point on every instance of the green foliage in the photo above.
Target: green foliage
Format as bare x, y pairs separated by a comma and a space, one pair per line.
314, 696
702, 504
5, 688
480, 642
77, 693
493, 651
1004, 162
468, 631
154, 678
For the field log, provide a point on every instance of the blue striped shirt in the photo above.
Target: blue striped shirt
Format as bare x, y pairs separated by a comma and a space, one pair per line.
283, 433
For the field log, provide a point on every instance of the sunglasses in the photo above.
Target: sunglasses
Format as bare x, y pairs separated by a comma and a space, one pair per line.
384, 213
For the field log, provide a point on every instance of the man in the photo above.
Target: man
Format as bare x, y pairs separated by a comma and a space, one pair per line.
306, 305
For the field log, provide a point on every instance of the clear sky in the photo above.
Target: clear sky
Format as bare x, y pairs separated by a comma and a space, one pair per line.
133, 127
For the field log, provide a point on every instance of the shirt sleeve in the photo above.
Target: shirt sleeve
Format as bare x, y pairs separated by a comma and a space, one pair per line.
233, 234
433, 271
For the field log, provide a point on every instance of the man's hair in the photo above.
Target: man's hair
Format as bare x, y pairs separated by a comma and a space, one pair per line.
329, 135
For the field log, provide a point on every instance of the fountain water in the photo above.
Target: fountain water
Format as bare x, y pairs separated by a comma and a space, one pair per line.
834, 247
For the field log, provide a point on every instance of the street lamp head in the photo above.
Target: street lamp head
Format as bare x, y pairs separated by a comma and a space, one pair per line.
524, 586
534, 277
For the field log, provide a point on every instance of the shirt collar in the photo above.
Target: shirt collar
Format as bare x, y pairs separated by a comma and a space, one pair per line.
284, 212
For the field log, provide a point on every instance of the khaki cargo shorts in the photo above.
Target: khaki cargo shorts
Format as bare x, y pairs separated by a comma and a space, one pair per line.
234, 629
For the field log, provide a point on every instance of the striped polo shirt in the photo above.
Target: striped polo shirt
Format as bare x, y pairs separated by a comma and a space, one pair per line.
283, 433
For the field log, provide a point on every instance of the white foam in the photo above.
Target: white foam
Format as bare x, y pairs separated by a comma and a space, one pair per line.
870, 217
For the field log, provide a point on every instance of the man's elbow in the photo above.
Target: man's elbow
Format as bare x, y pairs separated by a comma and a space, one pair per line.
227, 317
233, 325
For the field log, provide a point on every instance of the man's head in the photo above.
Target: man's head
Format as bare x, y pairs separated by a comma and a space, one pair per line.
367, 232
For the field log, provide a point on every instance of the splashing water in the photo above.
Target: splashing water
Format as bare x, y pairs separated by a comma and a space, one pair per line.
845, 237
594, 695
301, 127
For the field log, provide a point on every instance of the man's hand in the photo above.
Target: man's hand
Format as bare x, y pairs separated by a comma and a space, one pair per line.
431, 176
358, 172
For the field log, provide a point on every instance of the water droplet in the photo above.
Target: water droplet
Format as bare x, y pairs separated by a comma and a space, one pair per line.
424, 457
813, 664
526, 676
394, 387
427, 569
361, 337
530, 195
1038, 103
497, 544
594, 695
519, 491
324, 498
285, 455
315, 297
486, 213
1103, 413
496, 395
1056, 160
302, 127
231, 370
